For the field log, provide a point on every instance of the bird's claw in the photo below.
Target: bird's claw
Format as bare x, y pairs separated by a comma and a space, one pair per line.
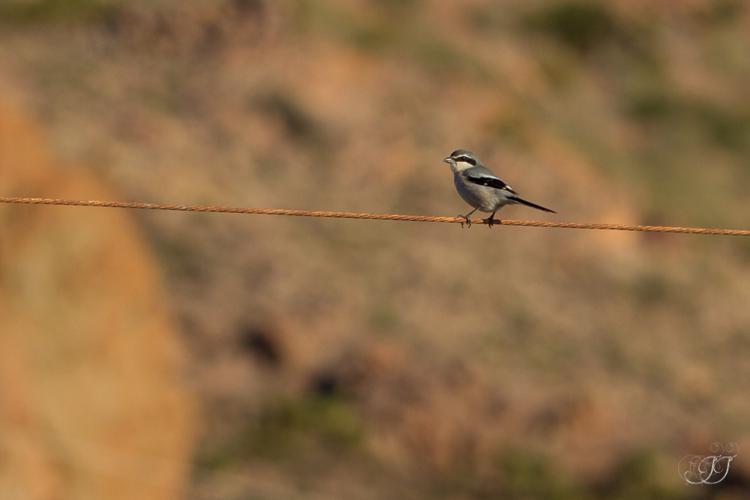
466, 220
491, 221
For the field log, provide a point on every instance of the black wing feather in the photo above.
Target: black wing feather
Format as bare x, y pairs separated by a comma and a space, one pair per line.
490, 181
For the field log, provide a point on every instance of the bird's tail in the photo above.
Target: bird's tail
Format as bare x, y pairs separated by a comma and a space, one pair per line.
520, 200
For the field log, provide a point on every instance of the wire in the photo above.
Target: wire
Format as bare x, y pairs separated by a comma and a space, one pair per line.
371, 216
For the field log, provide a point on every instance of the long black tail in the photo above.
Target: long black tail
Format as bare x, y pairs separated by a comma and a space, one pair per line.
520, 200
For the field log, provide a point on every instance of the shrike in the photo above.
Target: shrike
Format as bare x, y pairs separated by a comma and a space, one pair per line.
482, 189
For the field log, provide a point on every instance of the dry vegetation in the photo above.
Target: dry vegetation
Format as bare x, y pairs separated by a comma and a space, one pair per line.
340, 359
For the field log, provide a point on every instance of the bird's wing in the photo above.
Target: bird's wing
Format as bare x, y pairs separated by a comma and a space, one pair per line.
485, 177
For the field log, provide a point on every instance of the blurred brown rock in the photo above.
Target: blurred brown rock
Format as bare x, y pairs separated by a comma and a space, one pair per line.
92, 401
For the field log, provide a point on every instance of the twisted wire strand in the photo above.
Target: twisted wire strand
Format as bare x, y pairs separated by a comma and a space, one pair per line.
371, 216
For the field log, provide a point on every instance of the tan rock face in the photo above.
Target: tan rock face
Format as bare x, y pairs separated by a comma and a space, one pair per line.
93, 403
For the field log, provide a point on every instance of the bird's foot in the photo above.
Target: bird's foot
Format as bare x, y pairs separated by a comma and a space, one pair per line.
466, 220
491, 221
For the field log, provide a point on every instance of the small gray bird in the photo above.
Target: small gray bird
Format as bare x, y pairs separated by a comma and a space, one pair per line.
482, 189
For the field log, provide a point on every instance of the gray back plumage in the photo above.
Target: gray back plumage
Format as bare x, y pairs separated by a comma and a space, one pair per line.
478, 171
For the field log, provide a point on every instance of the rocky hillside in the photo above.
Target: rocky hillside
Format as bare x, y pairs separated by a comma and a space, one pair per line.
342, 359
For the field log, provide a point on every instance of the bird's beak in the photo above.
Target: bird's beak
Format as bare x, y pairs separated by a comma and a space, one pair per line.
447, 159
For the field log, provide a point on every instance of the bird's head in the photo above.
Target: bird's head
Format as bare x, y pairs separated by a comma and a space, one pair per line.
461, 159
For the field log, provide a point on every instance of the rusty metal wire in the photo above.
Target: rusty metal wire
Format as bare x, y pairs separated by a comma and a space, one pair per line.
370, 216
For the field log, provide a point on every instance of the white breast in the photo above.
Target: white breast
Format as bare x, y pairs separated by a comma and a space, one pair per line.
462, 165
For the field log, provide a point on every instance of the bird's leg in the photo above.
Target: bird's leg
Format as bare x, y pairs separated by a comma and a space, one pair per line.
491, 220
466, 218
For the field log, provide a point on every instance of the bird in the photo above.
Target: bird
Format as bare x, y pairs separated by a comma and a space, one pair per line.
481, 188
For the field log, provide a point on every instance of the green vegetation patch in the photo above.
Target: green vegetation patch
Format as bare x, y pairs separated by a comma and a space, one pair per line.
54, 11
579, 25
727, 128
290, 429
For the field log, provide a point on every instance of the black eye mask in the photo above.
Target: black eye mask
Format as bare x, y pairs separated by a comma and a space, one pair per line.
467, 159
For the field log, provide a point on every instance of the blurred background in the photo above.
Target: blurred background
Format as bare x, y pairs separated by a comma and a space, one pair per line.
206, 356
